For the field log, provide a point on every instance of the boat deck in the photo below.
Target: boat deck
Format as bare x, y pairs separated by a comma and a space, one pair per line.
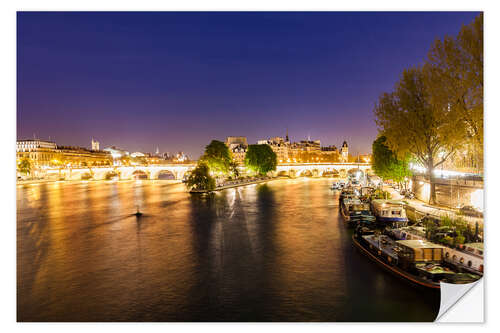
386, 245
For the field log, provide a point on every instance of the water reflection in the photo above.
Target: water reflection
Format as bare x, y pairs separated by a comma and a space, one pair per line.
273, 252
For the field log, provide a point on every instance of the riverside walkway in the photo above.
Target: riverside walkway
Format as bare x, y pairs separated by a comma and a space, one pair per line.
423, 208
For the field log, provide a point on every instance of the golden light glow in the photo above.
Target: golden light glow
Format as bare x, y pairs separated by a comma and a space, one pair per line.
477, 199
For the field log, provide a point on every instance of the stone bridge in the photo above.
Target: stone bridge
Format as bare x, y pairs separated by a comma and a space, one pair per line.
178, 171
167, 171
319, 169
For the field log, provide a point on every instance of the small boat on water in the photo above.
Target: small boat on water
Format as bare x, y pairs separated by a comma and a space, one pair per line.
417, 261
390, 212
467, 257
355, 211
347, 204
347, 192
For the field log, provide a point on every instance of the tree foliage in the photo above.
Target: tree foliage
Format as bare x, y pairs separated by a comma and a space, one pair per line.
25, 166
386, 163
436, 109
217, 157
260, 159
233, 169
413, 123
200, 178
456, 77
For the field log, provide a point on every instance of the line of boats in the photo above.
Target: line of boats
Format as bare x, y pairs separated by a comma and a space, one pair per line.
382, 232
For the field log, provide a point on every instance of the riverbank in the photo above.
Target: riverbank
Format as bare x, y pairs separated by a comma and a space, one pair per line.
237, 183
422, 208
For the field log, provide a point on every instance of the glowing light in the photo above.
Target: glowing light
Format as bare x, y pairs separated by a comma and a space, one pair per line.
477, 199
426, 192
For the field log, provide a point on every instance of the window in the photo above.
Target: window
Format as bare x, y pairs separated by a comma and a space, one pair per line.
469, 263
428, 254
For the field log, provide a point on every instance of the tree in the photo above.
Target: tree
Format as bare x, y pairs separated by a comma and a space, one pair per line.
415, 124
217, 157
25, 166
200, 178
260, 159
233, 168
386, 163
456, 77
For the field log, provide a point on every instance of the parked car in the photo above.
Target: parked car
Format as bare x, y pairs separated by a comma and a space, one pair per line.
470, 211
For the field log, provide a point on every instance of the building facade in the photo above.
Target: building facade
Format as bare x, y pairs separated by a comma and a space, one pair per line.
81, 157
280, 146
39, 151
344, 152
238, 146
306, 151
47, 154
95, 144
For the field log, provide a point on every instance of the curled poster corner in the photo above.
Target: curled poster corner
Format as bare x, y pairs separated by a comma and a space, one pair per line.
453, 300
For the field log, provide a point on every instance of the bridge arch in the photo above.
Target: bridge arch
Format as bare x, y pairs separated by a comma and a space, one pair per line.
166, 175
86, 176
110, 175
140, 174
283, 173
354, 171
306, 173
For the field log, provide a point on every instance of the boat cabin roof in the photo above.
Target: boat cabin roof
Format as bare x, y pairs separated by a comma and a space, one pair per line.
419, 244
388, 202
352, 200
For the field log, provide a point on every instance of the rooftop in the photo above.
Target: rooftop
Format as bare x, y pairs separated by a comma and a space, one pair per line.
390, 202
34, 140
419, 244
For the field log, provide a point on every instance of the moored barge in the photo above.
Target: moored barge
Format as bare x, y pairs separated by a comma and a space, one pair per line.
417, 261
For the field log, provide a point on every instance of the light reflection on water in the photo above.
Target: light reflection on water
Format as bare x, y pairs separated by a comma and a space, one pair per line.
274, 252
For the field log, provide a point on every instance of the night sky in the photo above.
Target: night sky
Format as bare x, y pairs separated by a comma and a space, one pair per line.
178, 80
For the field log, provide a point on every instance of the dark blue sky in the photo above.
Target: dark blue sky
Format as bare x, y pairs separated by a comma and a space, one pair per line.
178, 80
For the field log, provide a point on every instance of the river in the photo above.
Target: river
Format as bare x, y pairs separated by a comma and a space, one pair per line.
270, 252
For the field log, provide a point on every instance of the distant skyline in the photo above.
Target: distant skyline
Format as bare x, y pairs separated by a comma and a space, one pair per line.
177, 80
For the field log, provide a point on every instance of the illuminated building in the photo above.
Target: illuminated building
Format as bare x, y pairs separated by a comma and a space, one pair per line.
95, 144
48, 154
280, 147
39, 151
118, 155
137, 154
344, 152
307, 145
238, 146
78, 156
364, 158
116, 152
180, 157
